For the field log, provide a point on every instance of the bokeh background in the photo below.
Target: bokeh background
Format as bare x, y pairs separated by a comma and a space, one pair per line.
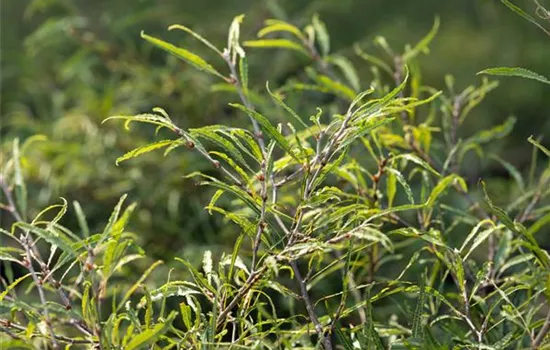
67, 65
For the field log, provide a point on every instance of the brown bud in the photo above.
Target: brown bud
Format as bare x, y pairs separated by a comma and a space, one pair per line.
189, 144
261, 177
216, 164
88, 266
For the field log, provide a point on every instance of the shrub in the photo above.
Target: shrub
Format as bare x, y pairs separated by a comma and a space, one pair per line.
358, 229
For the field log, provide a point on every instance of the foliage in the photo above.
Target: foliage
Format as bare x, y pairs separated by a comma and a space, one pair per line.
357, 228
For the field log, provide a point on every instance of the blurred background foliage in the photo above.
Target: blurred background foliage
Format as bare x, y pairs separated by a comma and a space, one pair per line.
67, 65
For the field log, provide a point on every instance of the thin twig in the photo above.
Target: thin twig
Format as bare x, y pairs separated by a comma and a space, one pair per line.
542, 333
325, 338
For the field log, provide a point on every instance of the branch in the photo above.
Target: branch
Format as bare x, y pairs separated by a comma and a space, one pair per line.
542, 333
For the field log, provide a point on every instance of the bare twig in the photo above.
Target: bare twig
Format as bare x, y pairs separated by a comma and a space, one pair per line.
542, 333
325, 338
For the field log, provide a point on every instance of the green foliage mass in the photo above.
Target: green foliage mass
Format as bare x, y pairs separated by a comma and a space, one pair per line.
343, 192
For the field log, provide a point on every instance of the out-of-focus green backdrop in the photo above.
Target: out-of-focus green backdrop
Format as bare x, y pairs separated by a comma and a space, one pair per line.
67, 65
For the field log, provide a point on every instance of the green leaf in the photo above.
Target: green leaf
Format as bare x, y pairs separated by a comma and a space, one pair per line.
515, 72
321, 34
135, 286
152, 334
523, 14
344, 339
539, 146
51, 236
347, 69
332, 85
415, 159
422, 46
143, 149
13, 285
442, 186
81, 219
273, 25
243, 72
364, 129
373, 59
113, 218
512, 170
417, 316
198, 277
280, 102
517, 228
399, 177
268, 128
20, 187
197, 36
496, 132
391, 188
276, 43
149, 118
187, 56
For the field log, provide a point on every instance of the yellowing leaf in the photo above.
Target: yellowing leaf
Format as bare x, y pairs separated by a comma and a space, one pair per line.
277, 43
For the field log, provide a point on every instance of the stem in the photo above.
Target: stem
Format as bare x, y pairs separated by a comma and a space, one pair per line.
12, 207
325, 339
542, 333
38, 282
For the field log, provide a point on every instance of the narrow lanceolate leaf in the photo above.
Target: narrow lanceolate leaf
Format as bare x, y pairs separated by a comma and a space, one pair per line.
273, 25
268, 128
280, 102
152, 334
496, 132
20, 187
442, 186
148, 118
532, 244
189, 57
417, 317
51, 236
415, 159
515, 72
539, 146
321, 34
197, 36
525, 15
391, 188
399, 177
144, 149
347, 68
277, 43
422, 46
11, 286
343, 338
